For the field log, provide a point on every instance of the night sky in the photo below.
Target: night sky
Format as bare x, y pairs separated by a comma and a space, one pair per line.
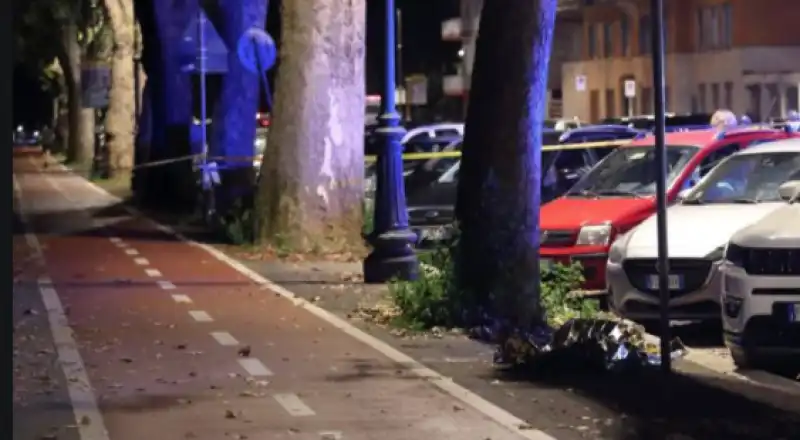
423, 52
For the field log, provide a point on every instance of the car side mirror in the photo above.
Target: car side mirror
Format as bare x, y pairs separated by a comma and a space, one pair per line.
789, 190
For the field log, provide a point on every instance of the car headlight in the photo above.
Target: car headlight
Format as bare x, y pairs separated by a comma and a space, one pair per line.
594, 235
734, 254
717, 254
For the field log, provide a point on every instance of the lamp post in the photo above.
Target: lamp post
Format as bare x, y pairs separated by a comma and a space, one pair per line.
392, 255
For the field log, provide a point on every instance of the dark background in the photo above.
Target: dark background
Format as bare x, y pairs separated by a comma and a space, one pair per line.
423, 52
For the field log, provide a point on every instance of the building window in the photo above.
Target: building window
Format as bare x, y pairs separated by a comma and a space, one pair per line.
726, 37
646, 100
610, 99
714, 27
608, 44
644, 35
591, 42
701, 97
624, 34
729, 95
715, 96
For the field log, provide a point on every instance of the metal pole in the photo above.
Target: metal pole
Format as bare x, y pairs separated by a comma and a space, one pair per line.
400, 73
657, 25
209, 208
392, 241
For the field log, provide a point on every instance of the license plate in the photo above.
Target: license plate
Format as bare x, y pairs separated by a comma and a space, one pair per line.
433, 234
675, 282
794, 312
545, 264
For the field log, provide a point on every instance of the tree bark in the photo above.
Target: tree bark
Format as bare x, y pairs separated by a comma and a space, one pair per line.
80, 139
311, 191
120, 118
500, 181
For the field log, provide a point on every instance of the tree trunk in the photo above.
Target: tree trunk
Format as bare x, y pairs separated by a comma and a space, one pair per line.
500, 182
80, 139
311, 183
120, 118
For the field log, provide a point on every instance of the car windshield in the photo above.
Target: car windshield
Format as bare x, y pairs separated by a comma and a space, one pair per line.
628, 171
747, 178
451, 175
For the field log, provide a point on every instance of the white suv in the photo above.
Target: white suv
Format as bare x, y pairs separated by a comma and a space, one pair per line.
738, 192
761, 286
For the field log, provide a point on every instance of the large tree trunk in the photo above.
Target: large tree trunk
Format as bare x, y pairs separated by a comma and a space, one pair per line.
80, 139
311, 184
120, 118
500, 181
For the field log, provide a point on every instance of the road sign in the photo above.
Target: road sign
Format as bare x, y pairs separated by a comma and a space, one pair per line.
630, 88
256, 50
189, 50
580, 83
95, 85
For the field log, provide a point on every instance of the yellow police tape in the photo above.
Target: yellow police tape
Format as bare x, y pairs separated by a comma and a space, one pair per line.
557, 147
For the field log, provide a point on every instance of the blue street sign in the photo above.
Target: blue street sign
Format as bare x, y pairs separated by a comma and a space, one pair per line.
190, 50
95, 84
256, 50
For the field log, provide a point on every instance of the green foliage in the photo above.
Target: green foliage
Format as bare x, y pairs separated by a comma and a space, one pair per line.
369, 217
238, 224
434, 301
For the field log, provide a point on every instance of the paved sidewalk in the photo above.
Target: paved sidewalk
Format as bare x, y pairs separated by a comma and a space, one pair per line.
159, 339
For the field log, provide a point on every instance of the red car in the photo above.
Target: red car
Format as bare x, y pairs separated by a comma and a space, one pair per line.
620, 192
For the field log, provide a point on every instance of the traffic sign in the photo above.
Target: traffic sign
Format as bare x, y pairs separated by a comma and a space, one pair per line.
630, 88
580, 83
256, 50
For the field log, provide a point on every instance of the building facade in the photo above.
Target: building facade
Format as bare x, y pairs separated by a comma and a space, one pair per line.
566, 47
738, 54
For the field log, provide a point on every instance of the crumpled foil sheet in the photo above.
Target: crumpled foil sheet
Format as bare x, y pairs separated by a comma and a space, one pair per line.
606, 343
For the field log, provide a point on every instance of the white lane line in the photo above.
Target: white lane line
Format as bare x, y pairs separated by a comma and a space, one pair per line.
293, 405
131, 252
254, 367
166, 285
153, 273
181, 298
224, 338
469, 398
115, 240
81, 393
200, 316
141, 261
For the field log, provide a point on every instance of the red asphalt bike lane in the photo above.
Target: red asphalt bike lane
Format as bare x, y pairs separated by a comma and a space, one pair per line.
178, 344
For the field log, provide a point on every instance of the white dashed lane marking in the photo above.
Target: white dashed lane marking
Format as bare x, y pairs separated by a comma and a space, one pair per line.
254, 367
141, 261
131, 252
293, 405
200, 316
224, 338
115, 240
153, 273
166, 285
181, 298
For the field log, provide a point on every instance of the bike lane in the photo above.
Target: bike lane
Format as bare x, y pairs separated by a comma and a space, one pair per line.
178, 344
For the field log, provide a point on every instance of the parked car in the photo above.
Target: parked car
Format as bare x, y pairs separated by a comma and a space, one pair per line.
760, 287
672, 121
414, 134
740, 191
431, 208
619, 193
26, 137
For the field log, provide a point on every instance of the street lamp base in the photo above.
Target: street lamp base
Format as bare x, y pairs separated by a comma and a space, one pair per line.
392, 257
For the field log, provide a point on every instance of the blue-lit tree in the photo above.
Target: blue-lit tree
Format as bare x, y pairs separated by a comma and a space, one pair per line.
500, 184
311, 191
